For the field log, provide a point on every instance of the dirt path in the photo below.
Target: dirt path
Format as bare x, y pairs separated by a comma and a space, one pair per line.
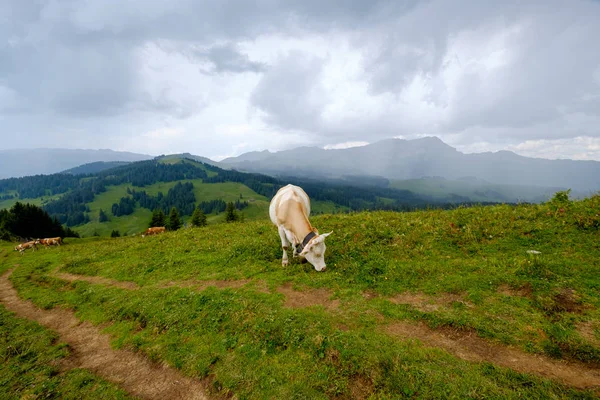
467, 346
471, 347
91, 350
98, 280
192, 284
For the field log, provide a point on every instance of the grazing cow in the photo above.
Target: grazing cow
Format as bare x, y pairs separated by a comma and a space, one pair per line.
289, 211
24, 246
155, 230
56, 241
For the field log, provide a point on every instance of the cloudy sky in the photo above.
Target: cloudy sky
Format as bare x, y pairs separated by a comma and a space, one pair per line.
223, 77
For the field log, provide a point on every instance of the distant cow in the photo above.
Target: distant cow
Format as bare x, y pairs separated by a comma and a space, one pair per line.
289, 211
155, 230
56, 241
24, 246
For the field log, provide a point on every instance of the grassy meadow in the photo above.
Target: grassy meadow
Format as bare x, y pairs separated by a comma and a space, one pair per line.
213, 301
138, 221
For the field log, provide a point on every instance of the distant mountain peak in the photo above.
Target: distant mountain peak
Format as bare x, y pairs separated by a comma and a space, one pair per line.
427, 156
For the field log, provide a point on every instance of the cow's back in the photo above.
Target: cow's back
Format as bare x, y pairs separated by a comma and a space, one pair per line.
286, 194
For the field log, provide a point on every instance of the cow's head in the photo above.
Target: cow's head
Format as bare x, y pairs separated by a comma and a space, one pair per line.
314, 252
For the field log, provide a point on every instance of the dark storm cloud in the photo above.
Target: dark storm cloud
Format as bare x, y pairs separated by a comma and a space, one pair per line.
77, 57
464, 67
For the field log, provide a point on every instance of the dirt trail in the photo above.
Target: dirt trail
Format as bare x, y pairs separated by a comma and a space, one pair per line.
98, 280
201, 285
471, 347
467, 346
192, 284
91, 350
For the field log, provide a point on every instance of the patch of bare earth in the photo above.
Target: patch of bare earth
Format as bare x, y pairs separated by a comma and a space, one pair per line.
468, 346
91, 350
308, 298
523, 291
586, 330
192, 284
97, 280
360, 387
425, 303
568, 300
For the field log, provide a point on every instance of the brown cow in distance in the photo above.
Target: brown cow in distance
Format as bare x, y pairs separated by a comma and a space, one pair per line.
24, 246
55, 241
155, 230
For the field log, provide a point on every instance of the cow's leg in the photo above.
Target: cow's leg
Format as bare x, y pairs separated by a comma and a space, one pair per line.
284, 245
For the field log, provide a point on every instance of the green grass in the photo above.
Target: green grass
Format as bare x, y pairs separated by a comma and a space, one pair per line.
254, 347
127, 225
326, 207
138, 221
38, 201
29, 366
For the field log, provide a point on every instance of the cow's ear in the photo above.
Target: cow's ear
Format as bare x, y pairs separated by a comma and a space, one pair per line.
326, 234
306, 248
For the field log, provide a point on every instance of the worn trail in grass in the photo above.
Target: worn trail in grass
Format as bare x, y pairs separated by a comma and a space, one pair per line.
465, 345
91, 350
470, 347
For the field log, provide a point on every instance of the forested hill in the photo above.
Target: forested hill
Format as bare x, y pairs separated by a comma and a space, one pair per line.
94, 167
71, 195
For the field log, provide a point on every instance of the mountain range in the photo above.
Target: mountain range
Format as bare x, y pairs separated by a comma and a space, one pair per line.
398, 159
387, 160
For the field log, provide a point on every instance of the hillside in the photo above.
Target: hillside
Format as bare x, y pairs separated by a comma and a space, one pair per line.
94, 167
481, 302
122, 198
26, 162
398, 159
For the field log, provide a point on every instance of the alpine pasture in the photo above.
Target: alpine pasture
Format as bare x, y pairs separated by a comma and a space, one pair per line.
482, 302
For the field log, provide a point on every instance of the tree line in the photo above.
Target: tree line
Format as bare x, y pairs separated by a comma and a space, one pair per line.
71, 209
180, 196
30, 187
30, 221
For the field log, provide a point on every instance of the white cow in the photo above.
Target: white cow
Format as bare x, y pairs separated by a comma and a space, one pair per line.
289, 211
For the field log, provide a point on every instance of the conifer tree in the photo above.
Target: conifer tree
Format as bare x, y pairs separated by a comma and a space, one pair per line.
174, 220
230, 214
198, 217
102, 217
158, 218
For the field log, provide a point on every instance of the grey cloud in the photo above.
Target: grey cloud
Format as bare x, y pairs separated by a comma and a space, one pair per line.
286, 94
290, 93
552, 71
227, 58
76, 81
